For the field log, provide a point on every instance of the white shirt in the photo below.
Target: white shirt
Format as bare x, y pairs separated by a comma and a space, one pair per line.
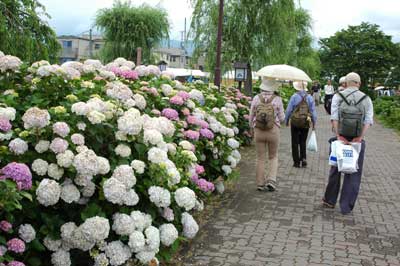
329, 90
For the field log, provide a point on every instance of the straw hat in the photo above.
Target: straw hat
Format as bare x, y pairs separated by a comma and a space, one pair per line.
300, 85
269, 85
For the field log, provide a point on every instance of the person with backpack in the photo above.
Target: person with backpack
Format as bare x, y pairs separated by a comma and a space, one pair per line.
352, 115
266, 115
301, 112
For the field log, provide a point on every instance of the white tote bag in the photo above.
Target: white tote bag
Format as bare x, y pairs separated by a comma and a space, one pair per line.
312, 142
347, 157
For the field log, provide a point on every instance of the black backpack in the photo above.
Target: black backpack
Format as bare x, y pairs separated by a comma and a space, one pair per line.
351, 115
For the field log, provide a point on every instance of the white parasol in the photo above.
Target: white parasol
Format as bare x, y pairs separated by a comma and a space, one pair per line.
283, 72
379, 88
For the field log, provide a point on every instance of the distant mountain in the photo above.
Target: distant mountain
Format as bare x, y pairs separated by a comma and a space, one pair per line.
178, 44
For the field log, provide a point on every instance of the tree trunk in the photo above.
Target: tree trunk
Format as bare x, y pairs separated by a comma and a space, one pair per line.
248, 85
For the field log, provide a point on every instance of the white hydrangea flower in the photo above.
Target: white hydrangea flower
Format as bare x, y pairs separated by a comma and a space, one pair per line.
48, 192
152, 238
78, 139
81, 126
185, 198
233, 143
18, 146
61, 258
145, 256
136, 241
70, 73
230, 133
130, 122
61, 129
114, 190
80, 108
36, 118
6, 136
86, 163
186, 145
174, 177
118, 90
227, 169
95, 117
124, 173
236, 154
190, 226
65, 159
7, 113
104, 165
51, 244
101, 260
40, 167
140, 101
95, 229
171, 148
89, 189
159, 196
130, 198
156, 155
141, 220
79, 241
168, 214
58, 145
67, 230
168, 234
117, 252
69, 192
123, 150
138, 166
27, 233
93, 62
107, 74
123, 224
166, 89
42, 146
152, 136
9, 62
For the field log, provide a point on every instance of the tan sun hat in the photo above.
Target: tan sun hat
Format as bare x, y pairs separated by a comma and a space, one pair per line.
353, 77
269, 85
300, 85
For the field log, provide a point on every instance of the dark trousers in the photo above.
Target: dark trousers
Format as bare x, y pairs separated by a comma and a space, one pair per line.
299, 139
351, 184
328, 103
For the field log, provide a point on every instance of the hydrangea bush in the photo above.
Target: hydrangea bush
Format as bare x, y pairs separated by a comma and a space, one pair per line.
106, 164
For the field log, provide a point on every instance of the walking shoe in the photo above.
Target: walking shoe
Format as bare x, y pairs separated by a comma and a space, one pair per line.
271, 186
296, 165
304, 163
261, 188
327, 205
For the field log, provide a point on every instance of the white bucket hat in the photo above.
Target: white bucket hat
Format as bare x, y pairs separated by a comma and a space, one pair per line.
342, 80
269, 85
353, 77
300, 85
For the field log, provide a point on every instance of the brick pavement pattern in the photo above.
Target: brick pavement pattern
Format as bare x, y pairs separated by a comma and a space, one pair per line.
289, 226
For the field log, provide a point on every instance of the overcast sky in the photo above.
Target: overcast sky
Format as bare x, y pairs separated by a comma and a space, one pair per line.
329, 16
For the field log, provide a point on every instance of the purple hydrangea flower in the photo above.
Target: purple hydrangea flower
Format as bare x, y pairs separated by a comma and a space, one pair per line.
203, 124
199, 169
5, 226
5, 125
20, 173
15, 263
170, 113
191, 134
205, 185
176, 100
205, 132
195, 178
16, 245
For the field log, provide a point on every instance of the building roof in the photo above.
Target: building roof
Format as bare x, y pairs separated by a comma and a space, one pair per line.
85, 37
170, 51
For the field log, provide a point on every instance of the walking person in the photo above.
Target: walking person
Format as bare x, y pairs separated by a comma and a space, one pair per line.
342, 84
329, 92
315, 92
266, 116
301, 112
349, 126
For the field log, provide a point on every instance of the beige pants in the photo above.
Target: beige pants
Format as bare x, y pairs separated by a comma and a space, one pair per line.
316, 97
263, 139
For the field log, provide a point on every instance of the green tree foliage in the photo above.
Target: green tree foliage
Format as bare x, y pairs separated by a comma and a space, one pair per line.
364, 49
24, 33
126, 28
259, 32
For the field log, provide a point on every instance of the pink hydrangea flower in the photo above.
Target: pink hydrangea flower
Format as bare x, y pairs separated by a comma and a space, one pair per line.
203, 124
15, 263
194, 178
199, 169
185, 111
192, 120
130, 74
16, 245
184, 95
177, 100
191, 134
5, 226
156, 112
5, 125
205, 185
206, 133
170, 113
247, 117
18, 172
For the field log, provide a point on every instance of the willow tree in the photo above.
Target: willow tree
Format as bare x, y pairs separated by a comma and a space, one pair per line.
258, 32
24, 32
126, 28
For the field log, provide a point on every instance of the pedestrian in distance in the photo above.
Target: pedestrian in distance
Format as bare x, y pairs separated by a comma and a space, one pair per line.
315, 92
266, 116
302, 115
342, 84
329, 92
352, 115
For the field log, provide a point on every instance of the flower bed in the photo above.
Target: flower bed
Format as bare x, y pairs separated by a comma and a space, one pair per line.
104, 165
388, 110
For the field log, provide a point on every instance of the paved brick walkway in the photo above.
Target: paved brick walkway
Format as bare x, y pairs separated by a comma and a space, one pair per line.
289, 227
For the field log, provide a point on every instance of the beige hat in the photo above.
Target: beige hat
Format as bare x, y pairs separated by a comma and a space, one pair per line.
300, 85
269, 85
353, 77
342, 80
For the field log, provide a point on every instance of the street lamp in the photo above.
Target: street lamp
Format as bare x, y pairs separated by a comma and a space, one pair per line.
240, 72
162, 65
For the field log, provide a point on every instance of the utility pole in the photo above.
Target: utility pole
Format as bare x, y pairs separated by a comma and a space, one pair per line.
90, 44
217, 75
